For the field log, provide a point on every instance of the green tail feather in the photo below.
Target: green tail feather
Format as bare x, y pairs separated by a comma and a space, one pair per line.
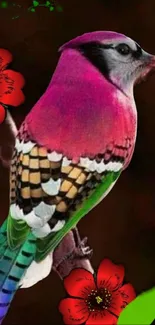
3, 238
13, 265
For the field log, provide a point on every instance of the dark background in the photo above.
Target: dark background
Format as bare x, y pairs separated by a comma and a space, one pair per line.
123, 226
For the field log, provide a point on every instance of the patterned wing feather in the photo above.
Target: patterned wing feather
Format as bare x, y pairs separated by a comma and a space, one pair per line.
46, 192
38, 204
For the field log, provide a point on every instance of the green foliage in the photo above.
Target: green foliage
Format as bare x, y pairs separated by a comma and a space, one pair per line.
48, 3
3, 4
35, 3
139, 311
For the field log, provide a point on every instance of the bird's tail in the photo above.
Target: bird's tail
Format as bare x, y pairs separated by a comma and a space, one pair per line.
13, 265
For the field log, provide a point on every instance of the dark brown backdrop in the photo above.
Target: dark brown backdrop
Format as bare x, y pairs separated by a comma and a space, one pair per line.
121, 227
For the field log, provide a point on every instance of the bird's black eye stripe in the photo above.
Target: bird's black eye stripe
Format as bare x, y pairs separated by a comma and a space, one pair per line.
94, 53
138, 53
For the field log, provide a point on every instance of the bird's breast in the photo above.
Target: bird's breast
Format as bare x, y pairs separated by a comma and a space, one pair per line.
83, 121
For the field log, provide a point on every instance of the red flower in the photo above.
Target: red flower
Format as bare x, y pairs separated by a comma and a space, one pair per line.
11, 83
96, 301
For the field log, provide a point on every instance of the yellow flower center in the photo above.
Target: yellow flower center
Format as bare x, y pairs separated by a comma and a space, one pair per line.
98, 299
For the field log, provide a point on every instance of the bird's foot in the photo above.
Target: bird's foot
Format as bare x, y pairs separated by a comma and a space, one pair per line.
72, 253
81, 249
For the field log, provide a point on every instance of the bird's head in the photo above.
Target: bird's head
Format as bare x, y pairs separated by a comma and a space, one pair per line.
118, 58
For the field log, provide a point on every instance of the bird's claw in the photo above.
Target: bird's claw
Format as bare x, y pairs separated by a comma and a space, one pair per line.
82, 251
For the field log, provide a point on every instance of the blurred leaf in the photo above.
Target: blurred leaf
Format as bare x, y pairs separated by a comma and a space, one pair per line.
4, 4
32, 9
35, 3
51, 8
48, 3
139, 311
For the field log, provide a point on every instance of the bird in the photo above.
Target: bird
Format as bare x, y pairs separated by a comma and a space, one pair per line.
69, 152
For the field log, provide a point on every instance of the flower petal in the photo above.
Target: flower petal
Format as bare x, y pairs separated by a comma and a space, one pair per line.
74, 311
16, 76
79, 283
101, 317
121, 298
2, 114
10, 84
109, 275
5, 58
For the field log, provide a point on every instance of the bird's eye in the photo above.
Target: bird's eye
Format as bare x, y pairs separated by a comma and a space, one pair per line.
123, 49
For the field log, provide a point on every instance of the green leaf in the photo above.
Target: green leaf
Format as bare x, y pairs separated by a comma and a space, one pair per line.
51, 8
48, 3
32, 9
35, 3
139, 311
4, 4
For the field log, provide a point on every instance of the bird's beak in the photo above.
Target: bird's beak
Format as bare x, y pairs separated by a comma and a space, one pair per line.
146, 66
148, 60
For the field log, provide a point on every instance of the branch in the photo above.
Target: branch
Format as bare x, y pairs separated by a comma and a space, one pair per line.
72, 253
8, 133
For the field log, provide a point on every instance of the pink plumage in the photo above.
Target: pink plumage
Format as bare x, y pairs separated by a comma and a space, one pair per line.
81, 113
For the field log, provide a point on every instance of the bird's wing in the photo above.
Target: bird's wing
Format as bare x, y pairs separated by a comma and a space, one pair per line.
49, 194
